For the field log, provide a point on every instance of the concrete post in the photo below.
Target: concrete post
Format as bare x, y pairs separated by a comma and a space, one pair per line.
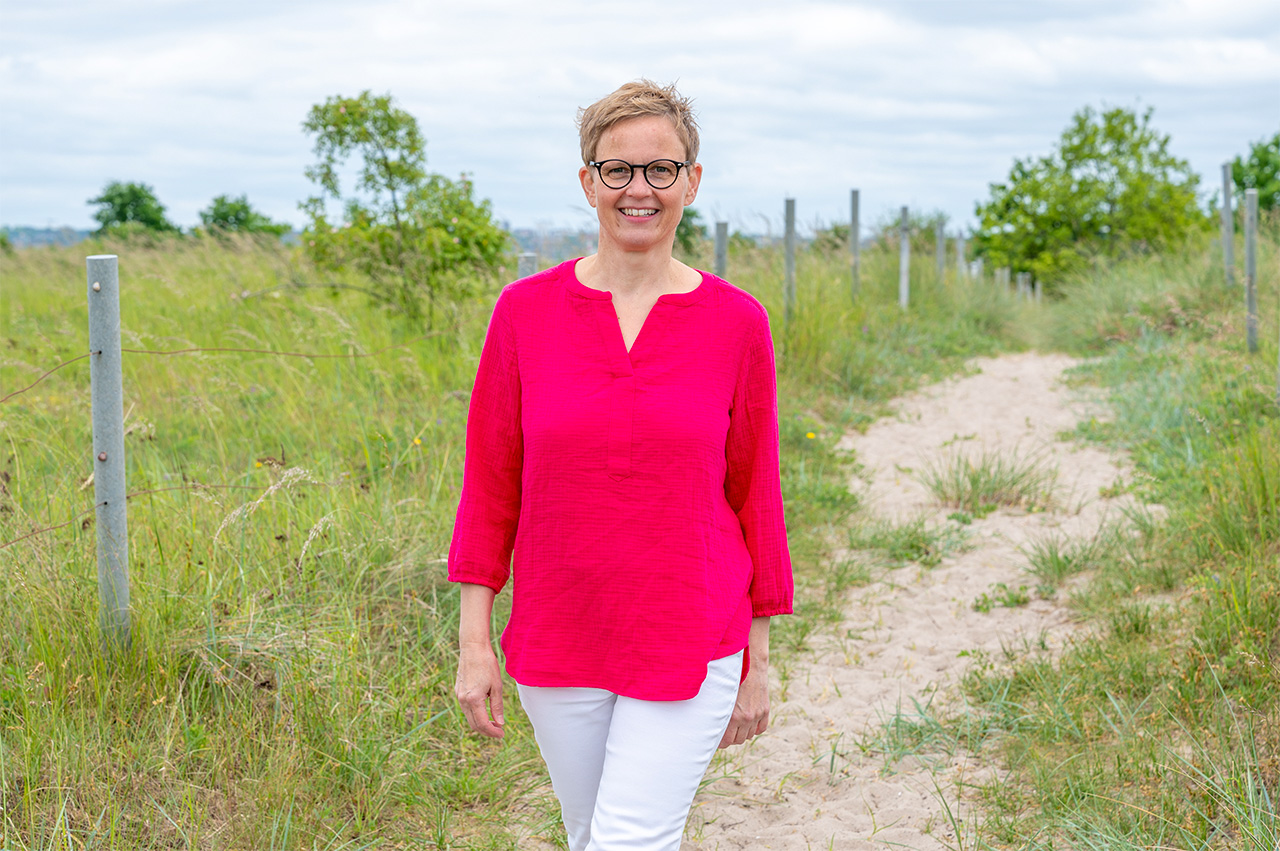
940, 248
789, 241
904, 259
107, 389
855, 242
1228, 227
528, 264
1251, 267
722, 248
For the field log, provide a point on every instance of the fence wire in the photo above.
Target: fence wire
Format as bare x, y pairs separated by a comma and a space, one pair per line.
193, 350
193, 486
197, 349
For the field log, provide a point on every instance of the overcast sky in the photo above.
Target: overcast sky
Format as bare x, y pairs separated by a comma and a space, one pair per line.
922, 103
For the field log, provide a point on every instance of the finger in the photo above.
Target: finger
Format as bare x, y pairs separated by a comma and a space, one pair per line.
471, 720
481, 724
730, 732
495, 704
477, 715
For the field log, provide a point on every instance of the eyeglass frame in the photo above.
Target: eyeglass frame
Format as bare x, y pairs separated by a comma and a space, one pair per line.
644, 169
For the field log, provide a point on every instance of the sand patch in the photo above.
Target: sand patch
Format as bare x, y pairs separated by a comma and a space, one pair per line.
818, 778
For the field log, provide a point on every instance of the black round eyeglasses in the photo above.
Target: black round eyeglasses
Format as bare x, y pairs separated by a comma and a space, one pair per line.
660, 174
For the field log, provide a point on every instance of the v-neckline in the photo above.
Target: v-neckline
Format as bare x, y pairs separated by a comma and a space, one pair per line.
609, 316
639, 331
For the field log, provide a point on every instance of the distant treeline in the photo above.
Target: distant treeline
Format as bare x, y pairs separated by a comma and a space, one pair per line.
25, 237
550, 244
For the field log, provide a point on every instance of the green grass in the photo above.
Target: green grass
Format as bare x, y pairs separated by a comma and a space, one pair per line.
1055, 559
978, 485
289, 685
1158, 727
290, 680
913, 541
1001, 596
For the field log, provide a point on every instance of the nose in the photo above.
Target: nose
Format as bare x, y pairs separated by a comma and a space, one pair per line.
638, 185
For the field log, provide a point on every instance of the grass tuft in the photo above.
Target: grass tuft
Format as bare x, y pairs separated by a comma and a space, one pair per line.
990, 480
914, 541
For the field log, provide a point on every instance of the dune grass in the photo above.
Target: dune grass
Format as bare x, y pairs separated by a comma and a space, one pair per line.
979, 484
289, 683
1158, 728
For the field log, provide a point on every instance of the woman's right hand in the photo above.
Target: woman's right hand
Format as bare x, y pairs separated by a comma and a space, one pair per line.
479, 684
479, 689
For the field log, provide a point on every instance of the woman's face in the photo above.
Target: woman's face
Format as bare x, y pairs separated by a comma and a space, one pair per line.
638, 217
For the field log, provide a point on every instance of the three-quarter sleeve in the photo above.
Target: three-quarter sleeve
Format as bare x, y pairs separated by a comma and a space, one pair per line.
752, 479
489, 509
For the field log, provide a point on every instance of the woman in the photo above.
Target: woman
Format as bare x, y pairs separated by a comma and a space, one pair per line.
622, 443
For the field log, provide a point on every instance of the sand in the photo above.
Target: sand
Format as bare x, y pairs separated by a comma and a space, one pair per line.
817, 778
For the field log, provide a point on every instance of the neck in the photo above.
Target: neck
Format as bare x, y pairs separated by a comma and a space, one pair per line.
633, 273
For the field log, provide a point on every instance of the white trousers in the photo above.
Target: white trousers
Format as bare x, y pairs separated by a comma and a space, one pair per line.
626, 770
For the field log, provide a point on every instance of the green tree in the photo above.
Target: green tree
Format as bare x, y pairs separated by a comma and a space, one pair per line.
1261, 171
130, 206
690, 231
1110, 187
235, 215
411, 232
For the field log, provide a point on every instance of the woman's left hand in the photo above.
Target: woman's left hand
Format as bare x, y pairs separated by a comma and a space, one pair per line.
751, 710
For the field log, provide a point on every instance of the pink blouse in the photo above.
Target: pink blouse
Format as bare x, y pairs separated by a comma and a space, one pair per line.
639, 491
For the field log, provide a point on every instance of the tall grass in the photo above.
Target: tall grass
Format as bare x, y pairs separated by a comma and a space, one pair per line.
291, 626
290, 681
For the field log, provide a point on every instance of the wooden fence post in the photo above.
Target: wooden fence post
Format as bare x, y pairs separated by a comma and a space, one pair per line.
904, 259
106, 382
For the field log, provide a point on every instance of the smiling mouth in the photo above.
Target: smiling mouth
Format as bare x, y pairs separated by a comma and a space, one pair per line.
636, 211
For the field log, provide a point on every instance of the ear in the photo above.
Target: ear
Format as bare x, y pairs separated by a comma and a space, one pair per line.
587, 177
694, 173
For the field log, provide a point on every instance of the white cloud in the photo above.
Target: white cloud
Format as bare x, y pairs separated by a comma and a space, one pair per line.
920, 101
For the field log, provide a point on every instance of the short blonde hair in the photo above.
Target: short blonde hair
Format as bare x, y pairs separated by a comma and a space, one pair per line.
638, 99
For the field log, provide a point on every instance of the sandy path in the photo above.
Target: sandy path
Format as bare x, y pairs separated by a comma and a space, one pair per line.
807, 784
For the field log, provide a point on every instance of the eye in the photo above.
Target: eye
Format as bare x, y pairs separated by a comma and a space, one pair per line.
617, 170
